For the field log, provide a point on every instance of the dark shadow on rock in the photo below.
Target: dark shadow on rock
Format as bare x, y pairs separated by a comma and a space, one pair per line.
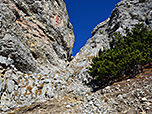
98, 85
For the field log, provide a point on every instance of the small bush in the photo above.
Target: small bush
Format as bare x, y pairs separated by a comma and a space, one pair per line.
126, 54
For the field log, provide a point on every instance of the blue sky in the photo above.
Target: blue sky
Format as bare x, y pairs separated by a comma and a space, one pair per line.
85, 15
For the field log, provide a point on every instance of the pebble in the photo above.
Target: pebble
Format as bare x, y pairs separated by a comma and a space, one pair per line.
108, 87
68, 106
144, 99
128, 80
72, 104
120, 97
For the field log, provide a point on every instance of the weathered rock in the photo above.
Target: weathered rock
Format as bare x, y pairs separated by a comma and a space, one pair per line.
36, 41
21, 58
10, 86
40, 29
127, 13
6, 61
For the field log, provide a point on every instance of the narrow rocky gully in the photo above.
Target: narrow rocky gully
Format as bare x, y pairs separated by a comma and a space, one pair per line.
38, 74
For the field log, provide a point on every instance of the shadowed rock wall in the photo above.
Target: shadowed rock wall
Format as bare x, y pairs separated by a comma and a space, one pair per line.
35, 32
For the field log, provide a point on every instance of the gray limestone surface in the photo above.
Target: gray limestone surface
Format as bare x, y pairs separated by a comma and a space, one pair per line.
38, 73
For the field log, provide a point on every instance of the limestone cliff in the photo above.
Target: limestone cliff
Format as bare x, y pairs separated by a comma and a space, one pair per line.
124, 97
127, 13
37, 74
36, 40
35, 32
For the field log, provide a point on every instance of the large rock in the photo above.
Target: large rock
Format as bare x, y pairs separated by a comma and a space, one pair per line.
36, 40
12, 47
41, 29
127, 13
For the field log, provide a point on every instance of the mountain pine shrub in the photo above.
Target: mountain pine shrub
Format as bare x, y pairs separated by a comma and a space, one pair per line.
126, 55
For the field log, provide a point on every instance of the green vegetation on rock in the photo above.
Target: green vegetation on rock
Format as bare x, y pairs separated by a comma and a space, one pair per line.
126, 56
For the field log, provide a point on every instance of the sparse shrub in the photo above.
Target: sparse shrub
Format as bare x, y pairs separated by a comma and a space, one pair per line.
126, 55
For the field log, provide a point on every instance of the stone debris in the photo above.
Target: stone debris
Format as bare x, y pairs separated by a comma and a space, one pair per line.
38, 75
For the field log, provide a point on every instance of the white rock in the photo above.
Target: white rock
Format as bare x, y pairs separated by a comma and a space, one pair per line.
10, 85
144, 99
68, 106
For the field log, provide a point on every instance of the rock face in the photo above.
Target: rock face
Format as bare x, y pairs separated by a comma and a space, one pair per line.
127, 13
35, 32
36, 41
